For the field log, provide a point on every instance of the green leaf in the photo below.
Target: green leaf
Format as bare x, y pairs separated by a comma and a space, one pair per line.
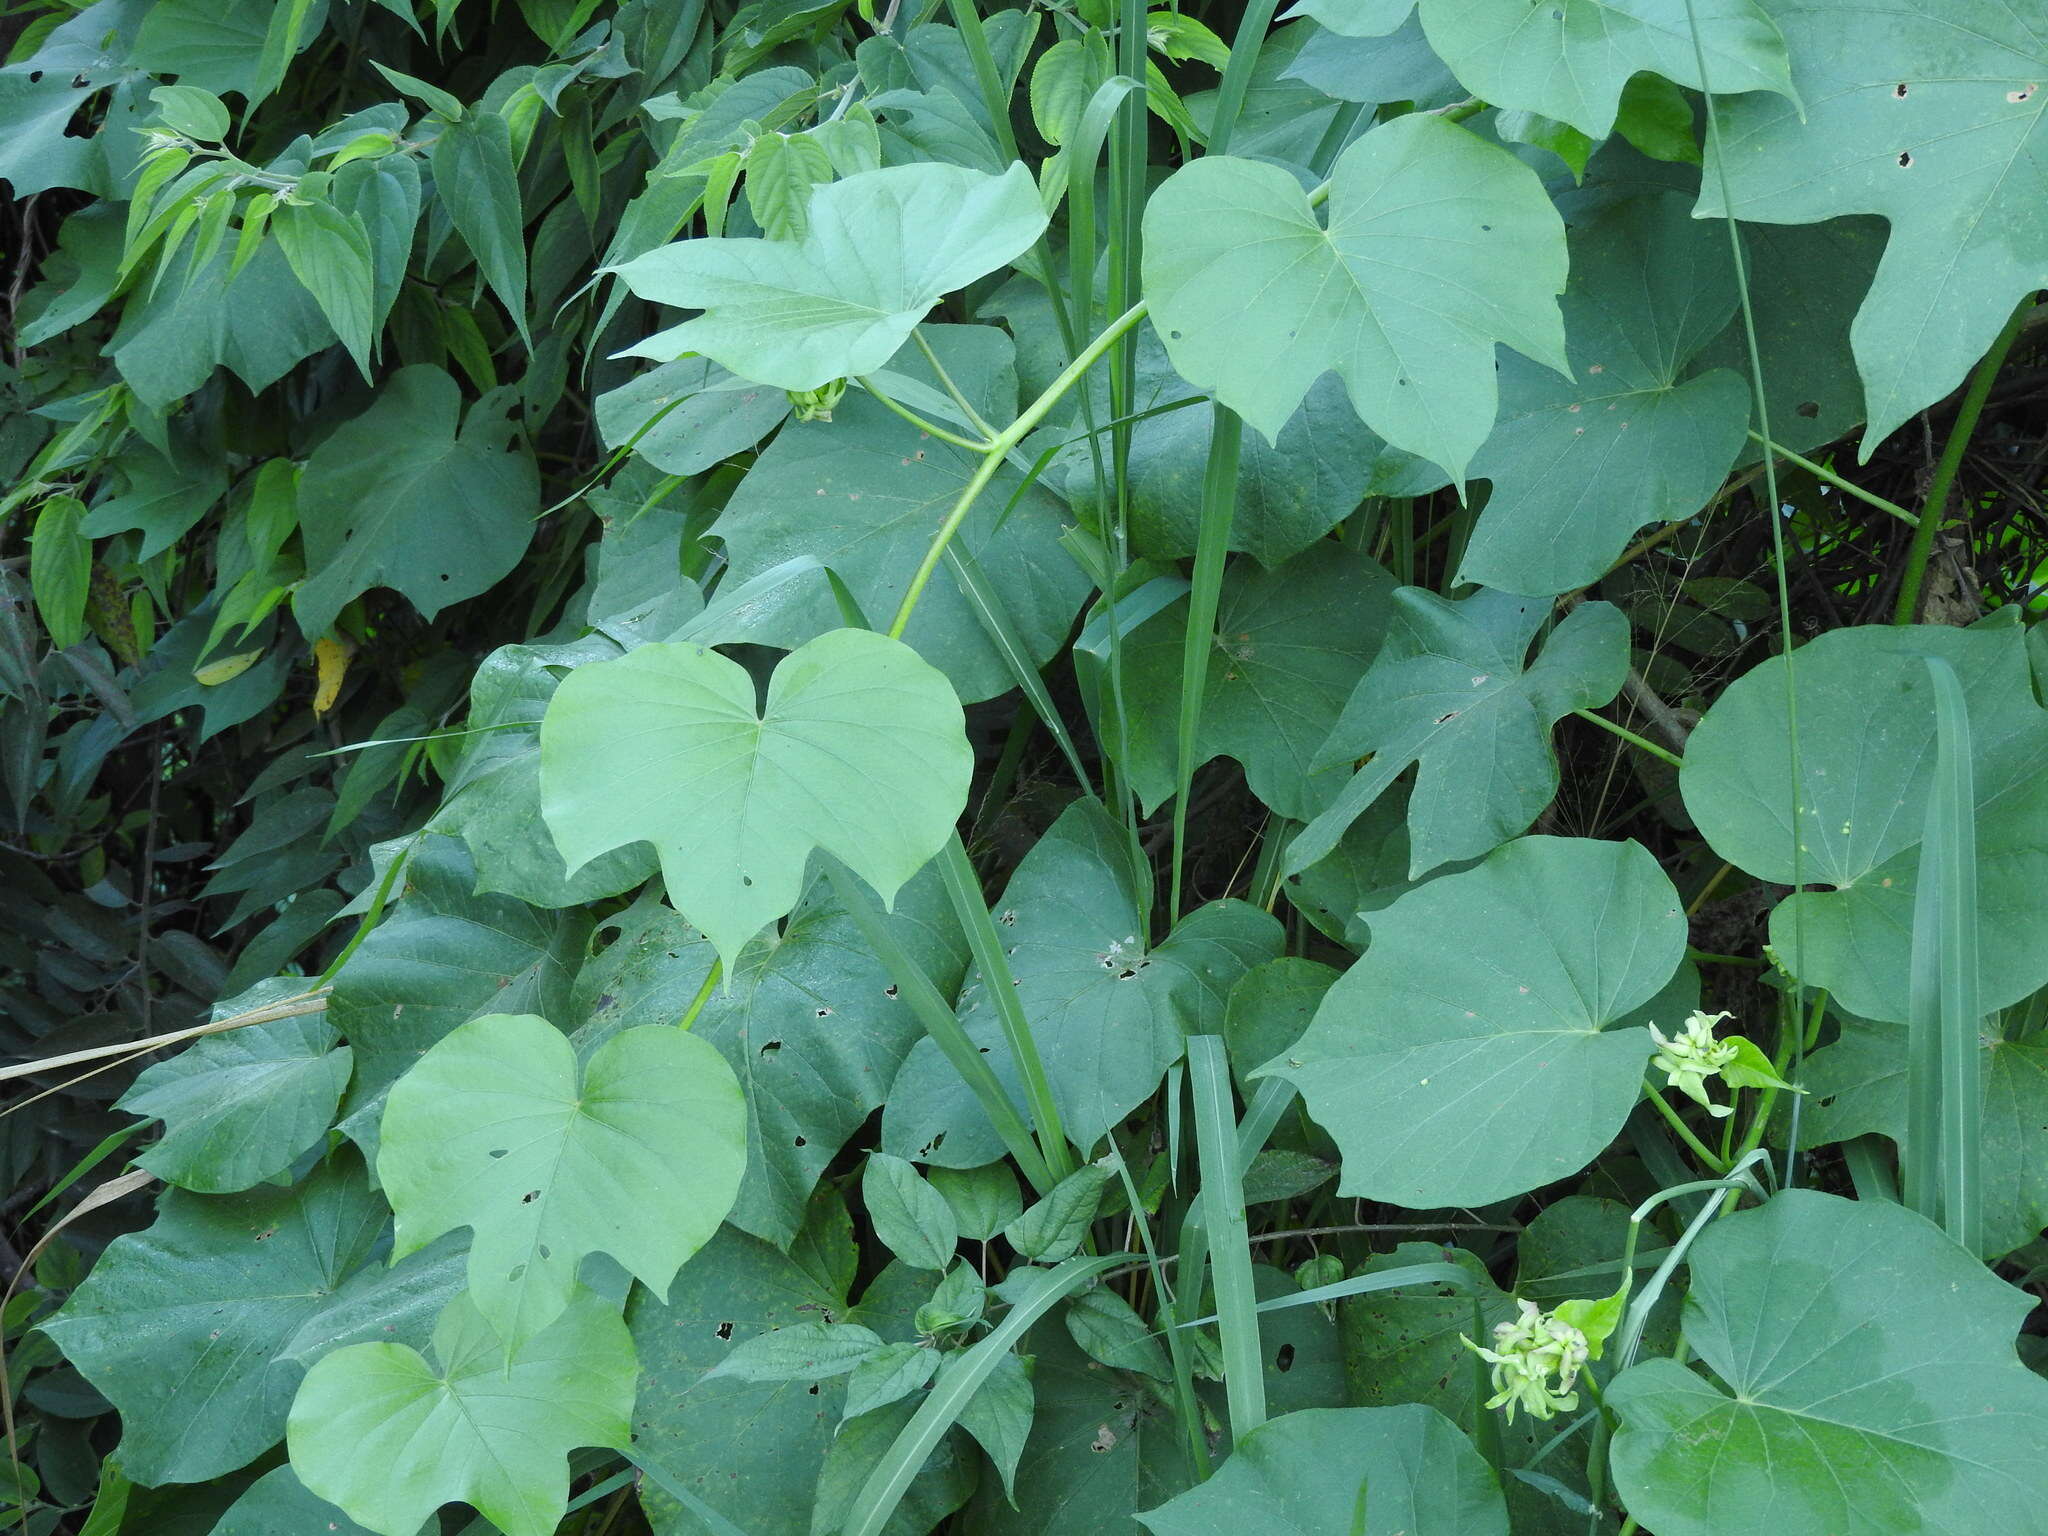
783, 170
42, 94
860, 751
399, 497
911, 1219
1109, 1329
750, 1450
1470, 1055
1270, 1008
1052, 1228
390, 1438
1403, 1471
217, 46
800, 1352
1570, 59
999, 1413
887, 1376
1290, 645
1449, 693
1859, 1085
196, 113
1439, 246
200, 1328
278, 1504
239, 1108
686, 416
1578, 467
163, 496
498, 1131
945, 1481
443, 954
60, 569
492, 800
1108, 1010
1931, 120
882, 249
864, 494
1866, 757
329, 252
983, 1199
809, 1020
1871, 1384
258, 324
478, 182
1063, 82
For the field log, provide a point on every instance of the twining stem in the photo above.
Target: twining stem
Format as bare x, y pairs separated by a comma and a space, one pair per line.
1672, 1118
1847, 487
997, 449
703, 996
1907, 608
1631, 737
946, 383
929, 428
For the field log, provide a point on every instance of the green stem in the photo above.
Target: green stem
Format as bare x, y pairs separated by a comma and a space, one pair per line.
1212, 546
1671, 1116
696, 1007
1847, 487
997, 450
1932, 510
946, 383
930, 429
1631, 737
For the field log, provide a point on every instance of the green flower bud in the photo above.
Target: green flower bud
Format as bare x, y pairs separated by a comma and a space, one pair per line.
816, 404
1692, 1056
1527, 1353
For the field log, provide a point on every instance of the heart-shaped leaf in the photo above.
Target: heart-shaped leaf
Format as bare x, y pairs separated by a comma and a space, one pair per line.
1469, 1056
1439, 245
637, 1156
389, 1437
860, 750
1871, 1385
883, 247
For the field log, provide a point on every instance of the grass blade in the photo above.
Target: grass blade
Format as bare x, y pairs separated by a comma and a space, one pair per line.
1237, 1301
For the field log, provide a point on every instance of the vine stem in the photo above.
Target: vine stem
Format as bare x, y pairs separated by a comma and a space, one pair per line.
1671, 1116
1907, 608
997, 450
1631, 737
1823, 473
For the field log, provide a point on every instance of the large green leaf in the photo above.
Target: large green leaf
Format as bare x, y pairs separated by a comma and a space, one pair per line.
1570, 59
1449, 693
866, 492
859, 750
199, 1329
400, 497
217, 44
751, 1450
442, 955
390, 1437
493, 797
811, 1023
278, 1504
1469, 1055
883, 247
1578, 465
1290, 644
1439, 246
259, 324
239, 1108
1859, 1085
1403, 1471
41, 94
1930, 117
637, 1155
1866, 759
1107, 1010
1871, 1385
686, 416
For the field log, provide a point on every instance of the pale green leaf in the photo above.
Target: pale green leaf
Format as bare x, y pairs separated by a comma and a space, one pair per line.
860, 751
637, 1155
1438, 247
882, 249
329, 252
390, 1437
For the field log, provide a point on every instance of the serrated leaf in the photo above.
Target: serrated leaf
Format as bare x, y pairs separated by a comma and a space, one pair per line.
800, 1352
497, 1130
1929, 117
1403, 1471
1866, 754
1449, 693
911, 1219
1870, 1384
1109, 1329
887, 1376
1438, 246
400, 497
783, 170
1579, 464
860, 750
239, 1108
1471, 1055
389, 1437
1051, 1229
983, 1199
882, 249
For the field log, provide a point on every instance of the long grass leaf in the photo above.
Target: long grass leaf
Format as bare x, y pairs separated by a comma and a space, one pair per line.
1237, 1301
